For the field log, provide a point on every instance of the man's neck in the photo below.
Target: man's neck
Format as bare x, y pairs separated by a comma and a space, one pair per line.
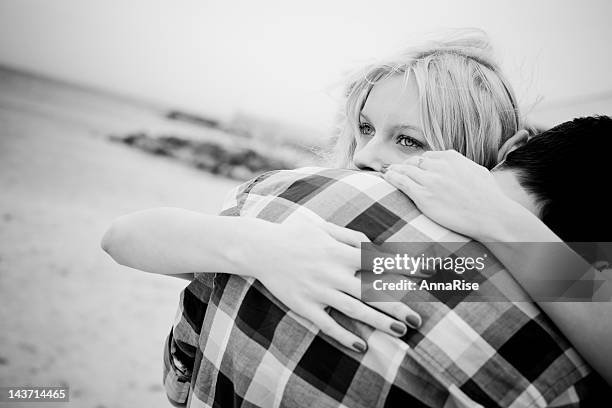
508, 181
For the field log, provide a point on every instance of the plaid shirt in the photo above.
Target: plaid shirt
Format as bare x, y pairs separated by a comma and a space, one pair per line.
234, 344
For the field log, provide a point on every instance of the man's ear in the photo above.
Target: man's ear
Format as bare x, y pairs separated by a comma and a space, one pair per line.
517, 140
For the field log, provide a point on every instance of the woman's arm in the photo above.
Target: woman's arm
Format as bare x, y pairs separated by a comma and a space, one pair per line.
307, 265
463, 196
173, 241
587, 325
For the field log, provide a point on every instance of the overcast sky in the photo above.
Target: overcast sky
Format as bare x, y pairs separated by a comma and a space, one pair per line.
280, 58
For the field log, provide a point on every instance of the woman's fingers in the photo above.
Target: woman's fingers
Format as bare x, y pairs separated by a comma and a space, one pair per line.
352, 286
417, 275
329, 326
413, 172
417, 161
351, 258
393, 308
351, 250
406, 184
345, 235
360, 311
400, 311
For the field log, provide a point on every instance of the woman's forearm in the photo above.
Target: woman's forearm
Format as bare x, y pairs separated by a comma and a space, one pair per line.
587, 324
466, 198
174, 241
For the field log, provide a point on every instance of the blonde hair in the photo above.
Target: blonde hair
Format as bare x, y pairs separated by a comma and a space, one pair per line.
466, 103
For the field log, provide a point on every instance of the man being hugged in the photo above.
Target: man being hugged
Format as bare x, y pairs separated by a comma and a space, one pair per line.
236, 344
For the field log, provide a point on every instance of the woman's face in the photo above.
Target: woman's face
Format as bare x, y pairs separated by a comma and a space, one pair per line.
389, 130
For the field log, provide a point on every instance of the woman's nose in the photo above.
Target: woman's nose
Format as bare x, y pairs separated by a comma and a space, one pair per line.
368, 157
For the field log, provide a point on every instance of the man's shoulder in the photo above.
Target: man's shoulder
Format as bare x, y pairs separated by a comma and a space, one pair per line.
360, 200
475, 348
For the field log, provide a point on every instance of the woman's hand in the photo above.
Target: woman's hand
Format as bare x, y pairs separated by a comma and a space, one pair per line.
453, 191
311, 266
463, 196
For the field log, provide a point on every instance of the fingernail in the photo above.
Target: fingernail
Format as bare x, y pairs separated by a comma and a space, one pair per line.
398, 328
413, 321
428, 272
360, 347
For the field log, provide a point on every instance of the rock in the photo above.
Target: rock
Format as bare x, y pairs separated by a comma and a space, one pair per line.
229, 160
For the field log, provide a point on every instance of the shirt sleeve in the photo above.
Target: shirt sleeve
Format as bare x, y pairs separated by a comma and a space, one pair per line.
177, 373
234, 200
182, 342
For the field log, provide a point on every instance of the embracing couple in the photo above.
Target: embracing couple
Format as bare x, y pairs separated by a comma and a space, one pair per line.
431, 148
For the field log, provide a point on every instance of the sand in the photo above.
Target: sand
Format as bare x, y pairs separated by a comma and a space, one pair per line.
68, 314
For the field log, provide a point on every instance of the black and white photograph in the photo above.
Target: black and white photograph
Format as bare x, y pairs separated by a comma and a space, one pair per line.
279, 204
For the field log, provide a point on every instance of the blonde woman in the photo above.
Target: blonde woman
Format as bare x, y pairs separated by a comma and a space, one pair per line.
444, 95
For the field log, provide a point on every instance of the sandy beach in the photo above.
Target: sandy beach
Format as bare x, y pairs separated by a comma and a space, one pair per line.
69, 315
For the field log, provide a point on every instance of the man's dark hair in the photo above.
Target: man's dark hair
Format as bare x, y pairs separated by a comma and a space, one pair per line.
567, 169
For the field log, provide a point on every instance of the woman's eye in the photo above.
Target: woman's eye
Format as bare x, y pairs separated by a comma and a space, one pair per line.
366, 129
408, 141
